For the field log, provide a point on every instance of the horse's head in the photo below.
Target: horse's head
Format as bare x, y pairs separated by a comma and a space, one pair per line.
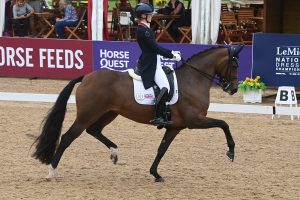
219, 61
228, 75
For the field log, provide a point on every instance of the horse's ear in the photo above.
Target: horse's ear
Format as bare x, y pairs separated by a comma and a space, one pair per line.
238, 49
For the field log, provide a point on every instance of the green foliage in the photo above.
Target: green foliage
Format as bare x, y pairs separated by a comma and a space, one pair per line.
250, 84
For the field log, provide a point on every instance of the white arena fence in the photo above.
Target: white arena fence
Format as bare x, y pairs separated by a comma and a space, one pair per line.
214, 107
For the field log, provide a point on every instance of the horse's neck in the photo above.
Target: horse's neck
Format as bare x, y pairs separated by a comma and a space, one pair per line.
197, 75
191, 82
210, 63
200, 70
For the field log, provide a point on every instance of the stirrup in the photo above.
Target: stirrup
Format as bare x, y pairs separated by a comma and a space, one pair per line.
160, 122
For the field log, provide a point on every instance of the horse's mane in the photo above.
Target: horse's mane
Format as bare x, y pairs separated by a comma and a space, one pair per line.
201, 53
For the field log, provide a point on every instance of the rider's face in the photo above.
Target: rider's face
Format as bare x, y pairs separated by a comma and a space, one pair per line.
149, 18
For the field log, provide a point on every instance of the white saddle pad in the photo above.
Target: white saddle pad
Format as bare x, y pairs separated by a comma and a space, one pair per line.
147, 97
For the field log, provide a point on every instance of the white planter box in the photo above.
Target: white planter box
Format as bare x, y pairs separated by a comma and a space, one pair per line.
252, 96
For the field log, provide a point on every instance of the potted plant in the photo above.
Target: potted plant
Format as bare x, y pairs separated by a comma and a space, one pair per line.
252, 89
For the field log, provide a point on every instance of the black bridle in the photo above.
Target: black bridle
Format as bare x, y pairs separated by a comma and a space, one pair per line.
223, 81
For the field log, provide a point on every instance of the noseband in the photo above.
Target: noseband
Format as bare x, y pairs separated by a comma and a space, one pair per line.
226, 81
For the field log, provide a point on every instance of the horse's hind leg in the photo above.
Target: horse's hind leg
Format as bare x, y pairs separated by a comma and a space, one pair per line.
96, 131
74, 131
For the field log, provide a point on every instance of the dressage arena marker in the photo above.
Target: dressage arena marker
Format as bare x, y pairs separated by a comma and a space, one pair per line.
286, 96
214, 107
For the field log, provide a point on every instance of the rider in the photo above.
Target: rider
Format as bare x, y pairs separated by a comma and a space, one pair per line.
150, 65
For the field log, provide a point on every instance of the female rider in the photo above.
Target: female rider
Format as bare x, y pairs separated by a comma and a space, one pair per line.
150, 65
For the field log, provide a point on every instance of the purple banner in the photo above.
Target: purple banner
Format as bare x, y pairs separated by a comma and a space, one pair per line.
121, 56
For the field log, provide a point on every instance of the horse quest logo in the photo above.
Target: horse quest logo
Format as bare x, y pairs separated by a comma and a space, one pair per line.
287, 60
114, 60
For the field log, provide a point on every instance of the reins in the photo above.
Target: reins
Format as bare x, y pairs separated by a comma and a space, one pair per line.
206, 75
219, 80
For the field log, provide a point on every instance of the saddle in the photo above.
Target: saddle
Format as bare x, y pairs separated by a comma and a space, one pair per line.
149, 96
169, 73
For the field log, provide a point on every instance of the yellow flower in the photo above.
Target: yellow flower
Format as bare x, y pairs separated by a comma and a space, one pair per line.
251, 84
160, 2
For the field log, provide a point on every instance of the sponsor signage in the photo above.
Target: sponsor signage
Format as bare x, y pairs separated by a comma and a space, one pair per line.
51, 58
276, 58
121, 56
47, 58
117, 56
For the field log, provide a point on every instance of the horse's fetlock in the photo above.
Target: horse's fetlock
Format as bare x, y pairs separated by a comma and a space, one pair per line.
153, 171
90, 131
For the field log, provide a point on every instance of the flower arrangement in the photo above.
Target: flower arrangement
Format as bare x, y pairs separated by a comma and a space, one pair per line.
160, 2
250, 84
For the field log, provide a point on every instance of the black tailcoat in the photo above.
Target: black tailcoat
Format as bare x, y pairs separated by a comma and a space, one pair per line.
148, 58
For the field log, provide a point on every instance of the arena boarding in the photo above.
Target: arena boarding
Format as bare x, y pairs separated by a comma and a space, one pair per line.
214, 107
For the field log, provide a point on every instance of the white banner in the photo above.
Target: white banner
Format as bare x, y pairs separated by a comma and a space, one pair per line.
2, 16
97, 20
205, 21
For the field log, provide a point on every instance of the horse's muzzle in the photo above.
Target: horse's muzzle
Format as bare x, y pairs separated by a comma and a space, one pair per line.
230, 88
233, 90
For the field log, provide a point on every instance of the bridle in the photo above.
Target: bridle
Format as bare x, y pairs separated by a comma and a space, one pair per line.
223, 81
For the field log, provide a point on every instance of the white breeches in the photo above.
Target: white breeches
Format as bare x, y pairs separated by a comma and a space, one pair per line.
160, 77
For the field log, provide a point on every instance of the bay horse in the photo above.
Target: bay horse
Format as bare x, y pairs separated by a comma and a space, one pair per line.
104, 94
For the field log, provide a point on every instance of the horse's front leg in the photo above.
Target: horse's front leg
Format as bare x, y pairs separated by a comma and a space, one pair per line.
163, 147
202, 122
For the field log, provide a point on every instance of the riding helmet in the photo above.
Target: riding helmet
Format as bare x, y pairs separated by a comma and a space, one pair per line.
143, 8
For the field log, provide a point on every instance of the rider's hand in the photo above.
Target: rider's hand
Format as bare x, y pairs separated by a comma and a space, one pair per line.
177, 57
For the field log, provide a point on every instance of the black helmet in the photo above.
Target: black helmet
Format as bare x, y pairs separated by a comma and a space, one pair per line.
143, 8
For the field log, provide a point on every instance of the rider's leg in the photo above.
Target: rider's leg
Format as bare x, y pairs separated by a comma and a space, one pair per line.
160, 78
160, 105
160, 108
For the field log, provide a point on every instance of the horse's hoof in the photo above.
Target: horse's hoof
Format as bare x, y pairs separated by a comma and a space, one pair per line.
160, 179
114, 156
230, 155
51, 173
160, 127
49, 178
114, 159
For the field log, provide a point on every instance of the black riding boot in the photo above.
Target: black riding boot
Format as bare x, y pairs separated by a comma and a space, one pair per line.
160, 107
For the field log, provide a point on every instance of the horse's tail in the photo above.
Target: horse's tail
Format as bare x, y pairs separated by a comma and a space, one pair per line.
47, 142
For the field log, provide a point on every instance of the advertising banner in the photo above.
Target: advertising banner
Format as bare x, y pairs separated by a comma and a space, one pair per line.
67, 59
47, 58
276, 58
121, 56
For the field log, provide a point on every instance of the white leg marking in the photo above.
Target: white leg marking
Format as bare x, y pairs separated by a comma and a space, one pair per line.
51, 173
114, 154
